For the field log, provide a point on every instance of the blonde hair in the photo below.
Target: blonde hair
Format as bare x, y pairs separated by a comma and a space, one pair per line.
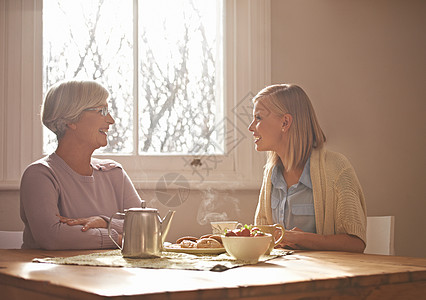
65, 101
305, 132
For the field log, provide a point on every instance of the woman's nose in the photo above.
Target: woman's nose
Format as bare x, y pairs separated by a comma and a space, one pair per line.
110, 119
250, 126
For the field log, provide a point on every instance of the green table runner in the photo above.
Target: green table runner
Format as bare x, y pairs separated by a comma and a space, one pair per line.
168, 260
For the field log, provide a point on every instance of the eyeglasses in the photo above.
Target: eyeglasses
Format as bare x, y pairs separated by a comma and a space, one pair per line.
103, 110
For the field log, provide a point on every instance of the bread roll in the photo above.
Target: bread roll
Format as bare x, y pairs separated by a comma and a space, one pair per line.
208, 243
189, 238
188, 244
217, 238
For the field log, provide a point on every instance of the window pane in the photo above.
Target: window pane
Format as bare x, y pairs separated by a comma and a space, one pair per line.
180, 77
92, 39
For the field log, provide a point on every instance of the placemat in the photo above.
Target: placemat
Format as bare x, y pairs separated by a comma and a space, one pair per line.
168, 260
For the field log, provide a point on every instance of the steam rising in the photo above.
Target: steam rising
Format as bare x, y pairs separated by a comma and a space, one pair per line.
217, 207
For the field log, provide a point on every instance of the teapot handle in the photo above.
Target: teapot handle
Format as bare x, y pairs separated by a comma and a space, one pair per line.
109, 228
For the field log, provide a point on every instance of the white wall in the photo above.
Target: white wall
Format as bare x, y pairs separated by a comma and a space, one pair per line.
363, 64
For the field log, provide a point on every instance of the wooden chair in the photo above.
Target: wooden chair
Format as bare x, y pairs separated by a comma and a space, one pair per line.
10, 239
380, 235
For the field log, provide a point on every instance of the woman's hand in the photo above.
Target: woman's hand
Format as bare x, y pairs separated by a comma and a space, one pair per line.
297, 239
291, 238
87, 223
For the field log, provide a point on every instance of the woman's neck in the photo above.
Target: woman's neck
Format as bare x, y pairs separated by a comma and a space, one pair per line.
292, 177
77, 158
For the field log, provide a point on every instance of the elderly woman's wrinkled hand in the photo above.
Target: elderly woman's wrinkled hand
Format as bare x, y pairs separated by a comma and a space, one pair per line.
87, 223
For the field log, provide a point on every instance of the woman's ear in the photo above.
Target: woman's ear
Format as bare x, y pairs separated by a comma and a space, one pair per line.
71, 126
287, 120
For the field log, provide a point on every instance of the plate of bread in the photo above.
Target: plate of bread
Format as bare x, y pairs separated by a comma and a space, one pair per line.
206, 244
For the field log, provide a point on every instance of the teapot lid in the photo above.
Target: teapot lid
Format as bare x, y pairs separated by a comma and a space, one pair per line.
142, 208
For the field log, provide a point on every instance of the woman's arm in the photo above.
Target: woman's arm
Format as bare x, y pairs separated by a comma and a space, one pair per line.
40, 213
298, 239
87, 223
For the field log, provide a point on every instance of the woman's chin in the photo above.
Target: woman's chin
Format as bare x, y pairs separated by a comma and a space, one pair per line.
103, 143
262, 148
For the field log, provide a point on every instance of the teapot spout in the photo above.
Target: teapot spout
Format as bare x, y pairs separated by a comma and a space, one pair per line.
165, 225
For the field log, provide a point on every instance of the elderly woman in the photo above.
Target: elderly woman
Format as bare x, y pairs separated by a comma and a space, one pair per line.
67, 196
313, 192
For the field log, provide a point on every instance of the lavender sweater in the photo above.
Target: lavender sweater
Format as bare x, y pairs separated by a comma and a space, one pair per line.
49, 187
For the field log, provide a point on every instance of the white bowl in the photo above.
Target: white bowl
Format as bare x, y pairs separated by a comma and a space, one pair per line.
245, 248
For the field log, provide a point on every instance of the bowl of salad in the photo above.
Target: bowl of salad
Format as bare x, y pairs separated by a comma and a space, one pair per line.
247, 243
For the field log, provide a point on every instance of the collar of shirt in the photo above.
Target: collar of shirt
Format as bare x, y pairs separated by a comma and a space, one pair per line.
278, 181
305, 178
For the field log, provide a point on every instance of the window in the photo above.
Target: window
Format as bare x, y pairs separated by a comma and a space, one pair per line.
174, 55
231, 163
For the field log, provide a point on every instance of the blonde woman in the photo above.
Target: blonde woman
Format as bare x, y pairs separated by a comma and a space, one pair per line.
313, 192
67, 196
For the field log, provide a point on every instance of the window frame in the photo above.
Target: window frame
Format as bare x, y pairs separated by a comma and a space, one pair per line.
247, 70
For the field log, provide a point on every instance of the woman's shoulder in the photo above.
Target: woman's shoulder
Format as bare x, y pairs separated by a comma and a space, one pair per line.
330, 159
335, 156
105, 164
41, 164
42, 168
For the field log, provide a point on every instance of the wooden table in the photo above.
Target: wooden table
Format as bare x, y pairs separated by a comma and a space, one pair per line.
302, 275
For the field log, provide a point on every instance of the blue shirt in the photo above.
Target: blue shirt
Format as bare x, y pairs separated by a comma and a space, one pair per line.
294, 206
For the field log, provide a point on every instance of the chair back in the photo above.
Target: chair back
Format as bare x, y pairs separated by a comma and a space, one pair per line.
11, 239
380, 235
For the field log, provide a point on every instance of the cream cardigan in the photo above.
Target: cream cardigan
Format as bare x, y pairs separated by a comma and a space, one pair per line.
338, 198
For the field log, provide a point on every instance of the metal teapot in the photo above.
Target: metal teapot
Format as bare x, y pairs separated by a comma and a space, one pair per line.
143, 231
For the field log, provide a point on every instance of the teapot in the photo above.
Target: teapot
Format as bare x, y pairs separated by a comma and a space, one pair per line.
144, 232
